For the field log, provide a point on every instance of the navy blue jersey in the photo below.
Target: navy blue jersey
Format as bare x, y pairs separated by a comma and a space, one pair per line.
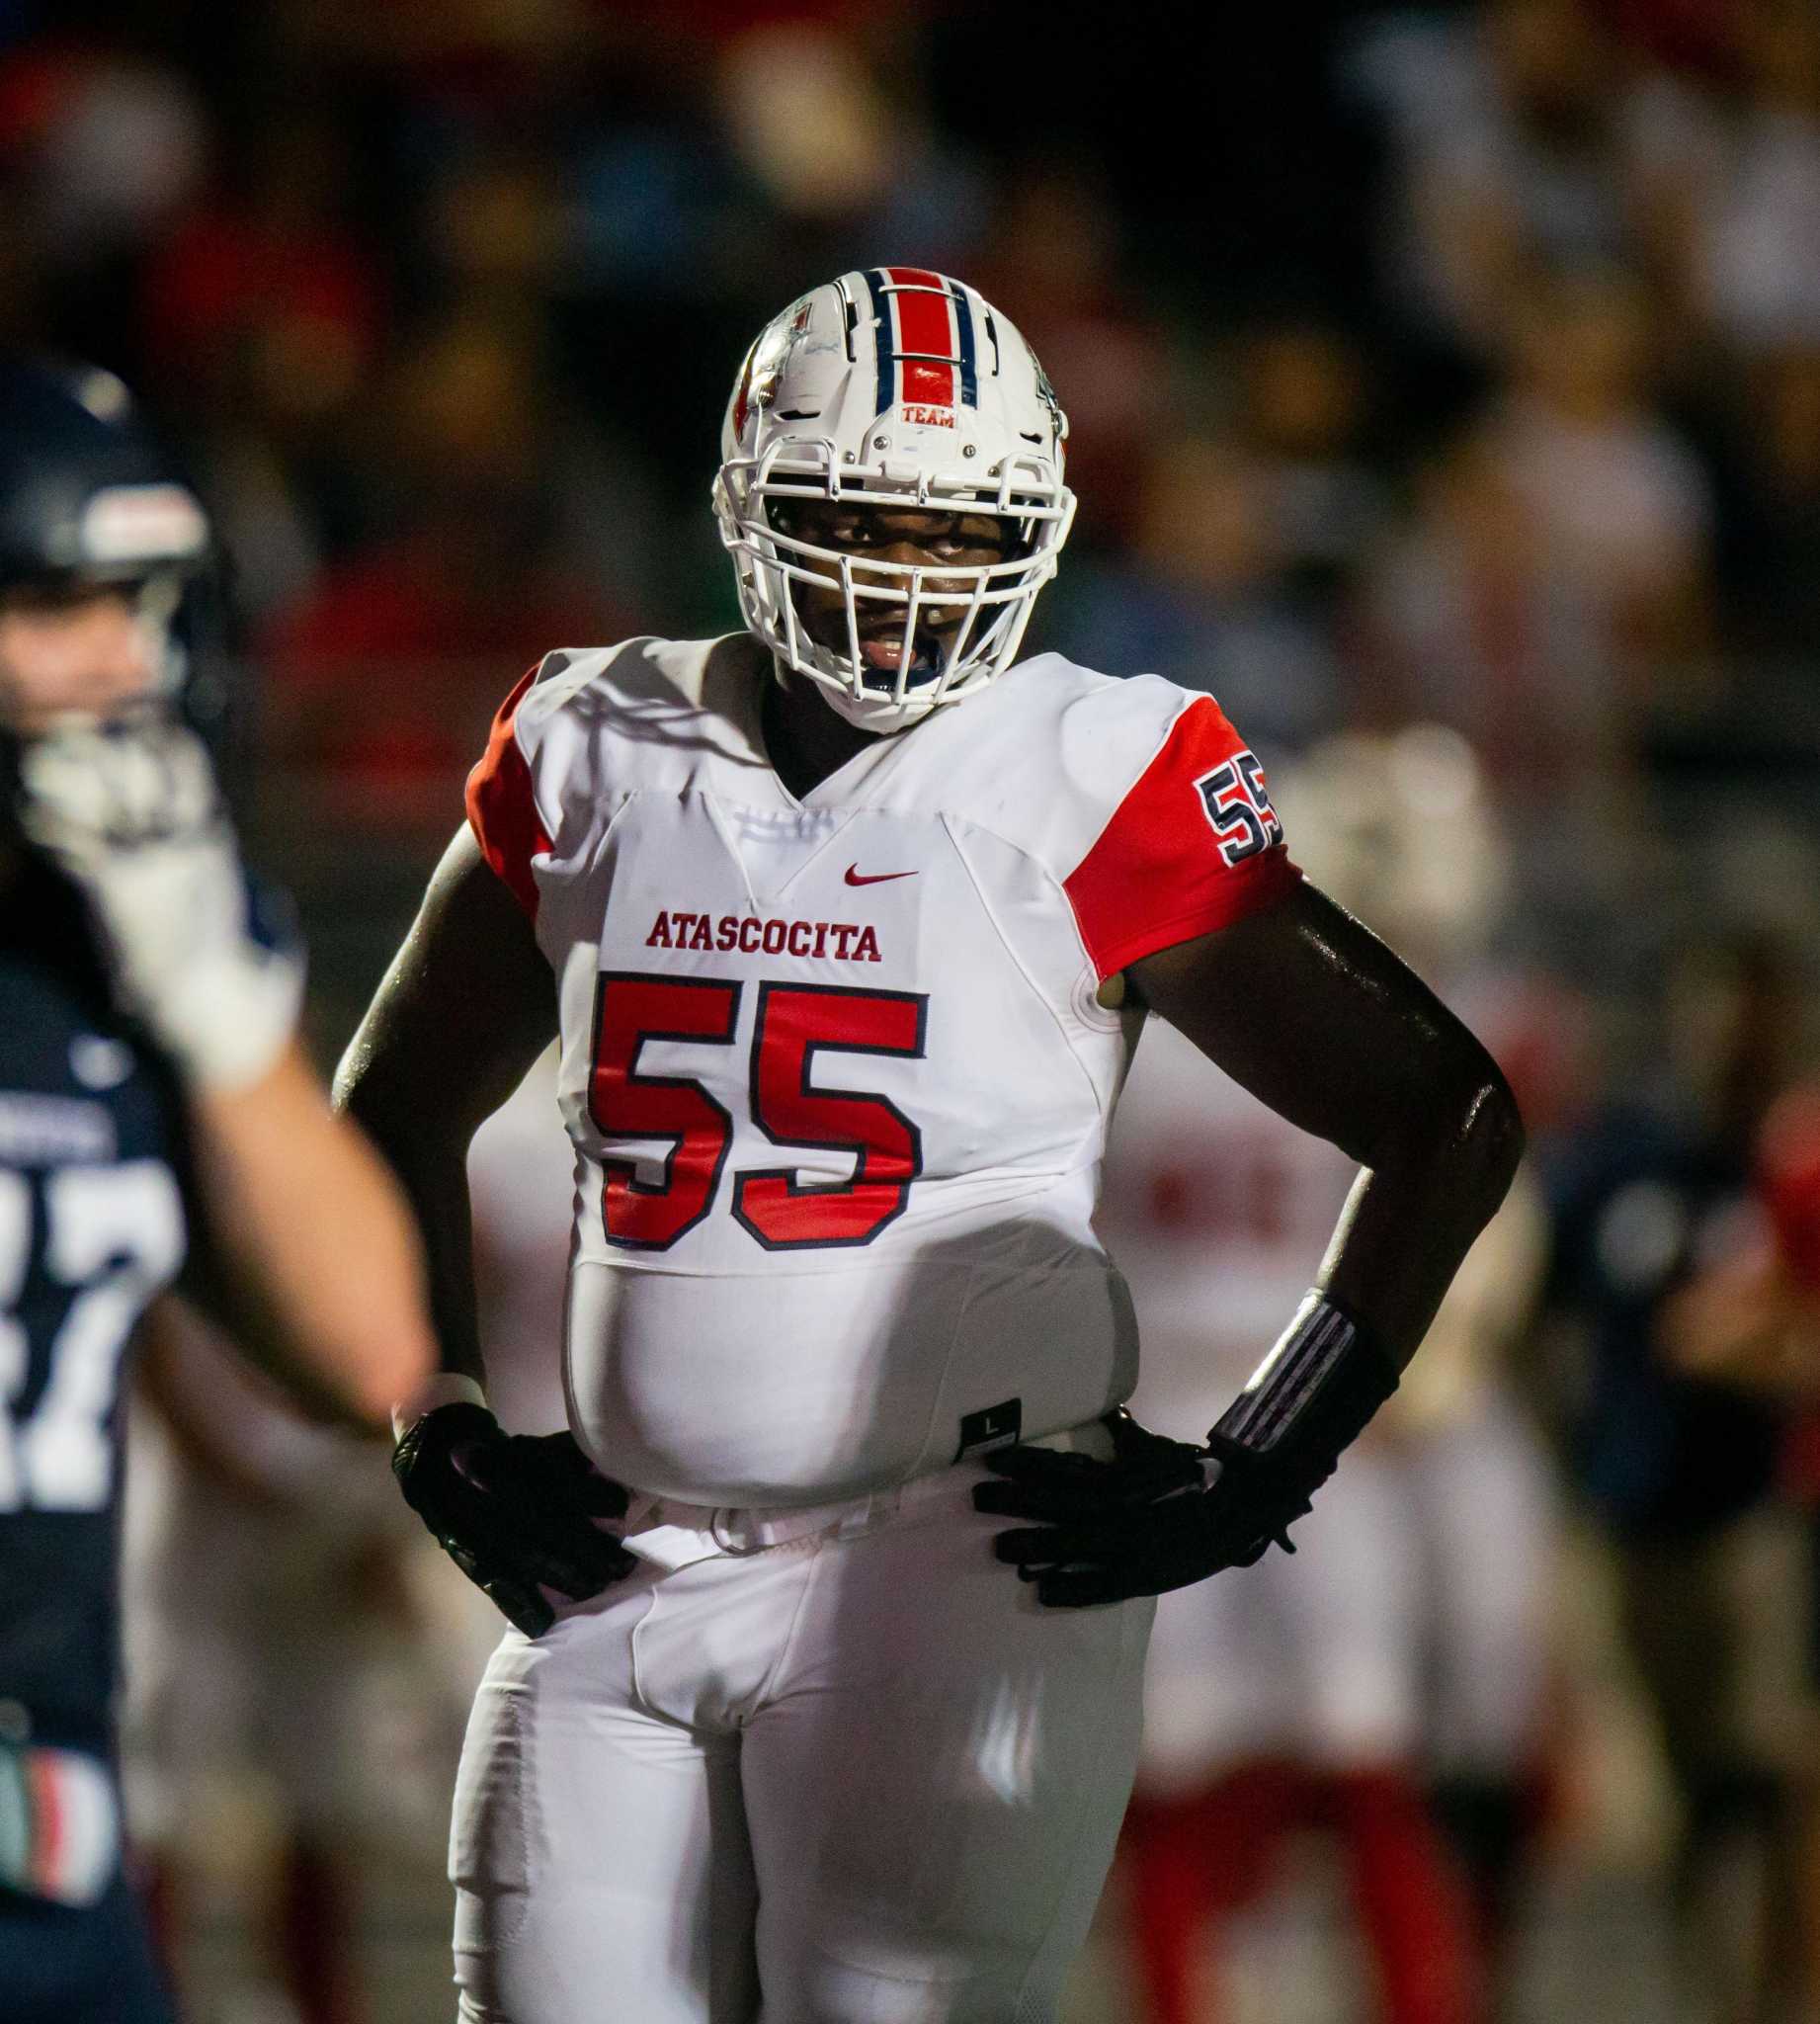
92, 1226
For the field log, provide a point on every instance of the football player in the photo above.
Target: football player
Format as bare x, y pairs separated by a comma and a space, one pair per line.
151, 1084
847, 924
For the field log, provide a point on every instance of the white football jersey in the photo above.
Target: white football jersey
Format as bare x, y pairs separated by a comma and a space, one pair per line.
833, 1070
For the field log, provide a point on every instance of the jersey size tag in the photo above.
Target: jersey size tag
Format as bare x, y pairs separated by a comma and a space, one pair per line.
993, 1426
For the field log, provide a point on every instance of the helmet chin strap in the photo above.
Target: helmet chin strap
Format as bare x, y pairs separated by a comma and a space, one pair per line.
877, 714
865, 696
880, 713
873, 709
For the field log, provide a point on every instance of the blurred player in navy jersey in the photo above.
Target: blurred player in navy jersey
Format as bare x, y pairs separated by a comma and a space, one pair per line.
158, 1125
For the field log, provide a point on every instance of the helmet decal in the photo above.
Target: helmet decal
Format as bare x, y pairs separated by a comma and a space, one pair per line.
742, 397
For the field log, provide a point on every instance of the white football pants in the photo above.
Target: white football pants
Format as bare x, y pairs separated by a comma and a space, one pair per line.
855, 1776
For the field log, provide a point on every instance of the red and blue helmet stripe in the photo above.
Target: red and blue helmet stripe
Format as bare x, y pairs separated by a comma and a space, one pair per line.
928, 353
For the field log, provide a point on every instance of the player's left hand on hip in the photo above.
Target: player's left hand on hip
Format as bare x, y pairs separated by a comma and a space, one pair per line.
1058, 1487
1226, 1518
1104, 1530
1141, 1525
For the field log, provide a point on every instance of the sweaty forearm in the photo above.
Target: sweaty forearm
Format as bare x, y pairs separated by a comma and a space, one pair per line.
1414, 1214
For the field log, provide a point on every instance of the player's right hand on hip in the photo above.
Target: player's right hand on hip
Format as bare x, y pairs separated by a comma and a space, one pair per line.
515, 1512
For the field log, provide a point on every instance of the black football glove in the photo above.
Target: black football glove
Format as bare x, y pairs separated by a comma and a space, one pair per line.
1103, 1530
515, 1512
1160, 1514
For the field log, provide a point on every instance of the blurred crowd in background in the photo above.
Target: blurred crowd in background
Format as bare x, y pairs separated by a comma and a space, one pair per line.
1444, 386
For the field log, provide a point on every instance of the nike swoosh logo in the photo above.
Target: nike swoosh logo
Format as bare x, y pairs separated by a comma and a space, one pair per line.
855, 877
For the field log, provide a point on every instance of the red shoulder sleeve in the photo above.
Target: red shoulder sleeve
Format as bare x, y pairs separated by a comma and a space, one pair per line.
1193, 846
500, 808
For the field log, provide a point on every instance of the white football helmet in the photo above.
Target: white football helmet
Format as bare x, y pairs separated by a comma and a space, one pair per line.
892, 387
